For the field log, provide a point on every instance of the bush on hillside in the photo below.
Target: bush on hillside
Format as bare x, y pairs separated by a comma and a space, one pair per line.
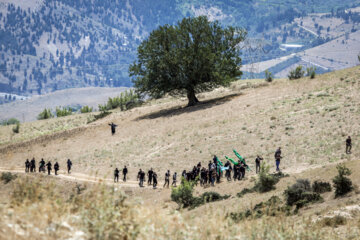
265, 182
16, 128
245, 191
11, 121
183, 194
64, 111
333, 222
86, 109
45, 114
7, 177
272, 207
310, 72
297, 73
301, 194
342, 184
268, 76
126, 101
321, 187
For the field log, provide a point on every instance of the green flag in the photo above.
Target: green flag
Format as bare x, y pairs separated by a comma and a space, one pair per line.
241, 159
231, 160
219, 162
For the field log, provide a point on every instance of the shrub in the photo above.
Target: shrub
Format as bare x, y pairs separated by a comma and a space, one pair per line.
272, 207
10, 121
245, 191
300, 194
206, 198
266, 182
45, 114
86, 109
16, 128
297, 73
7, 177
268, 76
333, 222
321, 187
126, 101
310, 72
342, 184
62, 112
183, 194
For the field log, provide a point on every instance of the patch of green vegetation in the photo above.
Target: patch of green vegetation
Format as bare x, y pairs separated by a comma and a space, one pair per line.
183, 195
45, 114
342, 184
296, 73
265, 182
333, 222
272, 207
300, 194
10, 121
7, 177
63, 111
321, 187
86, 109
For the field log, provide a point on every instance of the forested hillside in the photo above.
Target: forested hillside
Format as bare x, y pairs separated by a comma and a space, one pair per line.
51, 45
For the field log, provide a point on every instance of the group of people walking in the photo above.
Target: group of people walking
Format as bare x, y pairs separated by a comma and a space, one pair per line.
30, 166
207, 176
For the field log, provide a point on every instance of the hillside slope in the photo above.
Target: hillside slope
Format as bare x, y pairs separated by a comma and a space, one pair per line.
309, 118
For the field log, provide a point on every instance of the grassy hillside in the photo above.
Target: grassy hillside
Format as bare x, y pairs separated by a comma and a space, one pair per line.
308, 118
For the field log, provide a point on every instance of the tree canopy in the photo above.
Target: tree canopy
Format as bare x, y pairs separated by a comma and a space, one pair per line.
193, 56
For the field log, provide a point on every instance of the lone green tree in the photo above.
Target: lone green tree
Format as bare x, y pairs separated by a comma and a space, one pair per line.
193, 56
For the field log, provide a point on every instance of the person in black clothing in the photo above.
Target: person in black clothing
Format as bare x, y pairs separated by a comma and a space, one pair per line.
69, 164
348, 145
27, 165
32, 165
56, 167
228, 171
49, 167
42, 165
113, 128
257, 163
167, 179
236, 171
278, 158
154, 176
242, 170
125, 171
141, 177
150, 173
174, 180
116, 175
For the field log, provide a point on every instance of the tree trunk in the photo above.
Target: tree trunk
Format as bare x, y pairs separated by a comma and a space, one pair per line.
191, 97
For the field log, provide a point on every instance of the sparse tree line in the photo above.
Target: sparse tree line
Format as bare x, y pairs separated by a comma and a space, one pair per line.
296, 73
125, 101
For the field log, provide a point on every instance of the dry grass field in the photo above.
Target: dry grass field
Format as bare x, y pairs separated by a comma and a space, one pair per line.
309, 118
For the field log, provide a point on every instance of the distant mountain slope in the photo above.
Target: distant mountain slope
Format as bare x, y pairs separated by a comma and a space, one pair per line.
49, 45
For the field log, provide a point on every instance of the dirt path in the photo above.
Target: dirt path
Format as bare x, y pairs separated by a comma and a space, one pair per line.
84, 178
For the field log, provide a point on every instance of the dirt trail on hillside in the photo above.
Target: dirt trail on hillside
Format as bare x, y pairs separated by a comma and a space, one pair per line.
83, 178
